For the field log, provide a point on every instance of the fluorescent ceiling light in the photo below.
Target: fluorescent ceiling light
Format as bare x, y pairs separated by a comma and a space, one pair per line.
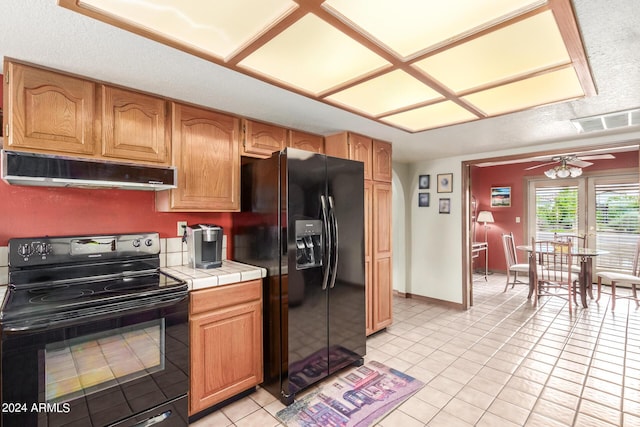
411, 64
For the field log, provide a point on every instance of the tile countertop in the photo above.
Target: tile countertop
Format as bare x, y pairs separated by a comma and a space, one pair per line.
230, 272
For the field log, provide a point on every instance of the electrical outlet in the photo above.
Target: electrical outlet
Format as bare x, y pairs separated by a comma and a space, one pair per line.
182, 225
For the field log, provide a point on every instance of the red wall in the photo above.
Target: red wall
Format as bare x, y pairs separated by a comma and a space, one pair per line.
38, 211
482, 179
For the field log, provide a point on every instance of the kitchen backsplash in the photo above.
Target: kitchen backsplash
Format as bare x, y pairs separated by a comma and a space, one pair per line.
173, 252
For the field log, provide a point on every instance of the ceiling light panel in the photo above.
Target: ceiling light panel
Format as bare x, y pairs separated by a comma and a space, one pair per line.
215, 27
411, 26
530, 45
429, 117
386, 93
313, 56
544, 89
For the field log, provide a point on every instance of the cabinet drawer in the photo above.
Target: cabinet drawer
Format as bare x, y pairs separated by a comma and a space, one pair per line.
224, 296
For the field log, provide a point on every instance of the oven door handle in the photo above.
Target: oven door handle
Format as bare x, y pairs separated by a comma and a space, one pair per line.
94, 313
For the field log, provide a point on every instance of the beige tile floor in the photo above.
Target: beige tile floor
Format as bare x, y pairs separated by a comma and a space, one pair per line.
501, 363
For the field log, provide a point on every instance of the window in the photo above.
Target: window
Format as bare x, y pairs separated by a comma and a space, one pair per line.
604, 208
616, 223
556, 211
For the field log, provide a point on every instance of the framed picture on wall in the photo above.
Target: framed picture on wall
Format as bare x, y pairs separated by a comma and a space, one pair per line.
500, 197
445, 183
423, 200
444, 206
424, 182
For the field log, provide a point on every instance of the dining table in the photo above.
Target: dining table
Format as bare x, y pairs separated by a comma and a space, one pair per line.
585, 258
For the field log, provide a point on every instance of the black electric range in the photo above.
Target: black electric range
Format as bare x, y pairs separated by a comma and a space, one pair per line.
91, 331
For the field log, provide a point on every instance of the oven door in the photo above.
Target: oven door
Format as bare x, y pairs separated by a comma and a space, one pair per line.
100, 371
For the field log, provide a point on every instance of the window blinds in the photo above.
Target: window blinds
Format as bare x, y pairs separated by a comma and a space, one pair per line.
556, 211
617, 225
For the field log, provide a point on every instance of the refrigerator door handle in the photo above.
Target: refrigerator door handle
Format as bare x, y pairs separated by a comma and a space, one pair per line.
334, 225
328, 243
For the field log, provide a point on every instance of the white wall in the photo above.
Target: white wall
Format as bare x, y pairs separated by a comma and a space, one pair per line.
435, 238
434, 241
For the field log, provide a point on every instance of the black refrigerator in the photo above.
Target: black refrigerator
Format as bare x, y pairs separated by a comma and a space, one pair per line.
302, 218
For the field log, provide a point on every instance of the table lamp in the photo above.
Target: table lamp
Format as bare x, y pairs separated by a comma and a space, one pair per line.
485, 217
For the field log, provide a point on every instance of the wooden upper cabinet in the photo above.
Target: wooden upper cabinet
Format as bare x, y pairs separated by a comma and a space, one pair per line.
337, 145
48, 112
382, 161
206, 152
262, 139
134, 126
361, 149
352, 146
305, 141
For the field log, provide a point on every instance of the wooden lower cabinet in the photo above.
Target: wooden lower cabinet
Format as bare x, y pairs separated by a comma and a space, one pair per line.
381, 278
225, 325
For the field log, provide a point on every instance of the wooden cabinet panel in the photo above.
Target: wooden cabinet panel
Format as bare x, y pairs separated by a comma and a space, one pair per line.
382, 219
134, 126
352, 146
368, 272
337, 145
262, 139
49, 112
383, 293
305, 141
381, 258
382, 169
205, 150
226, 344
361, 149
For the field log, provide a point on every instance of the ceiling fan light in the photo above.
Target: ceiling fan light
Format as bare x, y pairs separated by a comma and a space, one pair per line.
575, 172
563, 173
551, 173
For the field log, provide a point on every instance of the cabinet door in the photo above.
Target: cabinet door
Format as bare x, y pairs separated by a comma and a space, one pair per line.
305, 141
382, 261
134, 126
262, 139
337, 145
49, 112
368, 243
205, 150
381, 161
226, 354
361, 149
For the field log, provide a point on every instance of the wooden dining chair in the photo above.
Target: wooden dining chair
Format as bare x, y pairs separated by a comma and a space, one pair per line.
513, 266
575, 240
550, 266
616, 278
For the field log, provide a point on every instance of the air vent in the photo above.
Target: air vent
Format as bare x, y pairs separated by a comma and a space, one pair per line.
608, 121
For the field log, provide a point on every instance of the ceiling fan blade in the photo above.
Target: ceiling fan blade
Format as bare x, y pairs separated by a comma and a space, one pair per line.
541, 165
597, 157
579, 163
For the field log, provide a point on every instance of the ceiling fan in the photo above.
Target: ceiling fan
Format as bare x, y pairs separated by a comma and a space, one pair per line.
569, 165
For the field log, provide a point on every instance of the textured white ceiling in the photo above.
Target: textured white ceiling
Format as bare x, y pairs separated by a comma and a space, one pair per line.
41, 32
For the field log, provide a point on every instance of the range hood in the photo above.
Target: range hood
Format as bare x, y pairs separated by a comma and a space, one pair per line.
44, 170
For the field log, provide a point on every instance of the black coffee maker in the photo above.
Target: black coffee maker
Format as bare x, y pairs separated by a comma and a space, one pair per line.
204, 242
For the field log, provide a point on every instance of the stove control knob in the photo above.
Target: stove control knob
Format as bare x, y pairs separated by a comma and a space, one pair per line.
25, 249
148, 242
136, 243
43, 248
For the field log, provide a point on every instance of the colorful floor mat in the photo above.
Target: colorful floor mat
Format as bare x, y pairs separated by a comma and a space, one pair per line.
353, 398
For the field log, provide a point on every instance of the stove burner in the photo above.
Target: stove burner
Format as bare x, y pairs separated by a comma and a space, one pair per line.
117, 287
48, 290
61, 295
